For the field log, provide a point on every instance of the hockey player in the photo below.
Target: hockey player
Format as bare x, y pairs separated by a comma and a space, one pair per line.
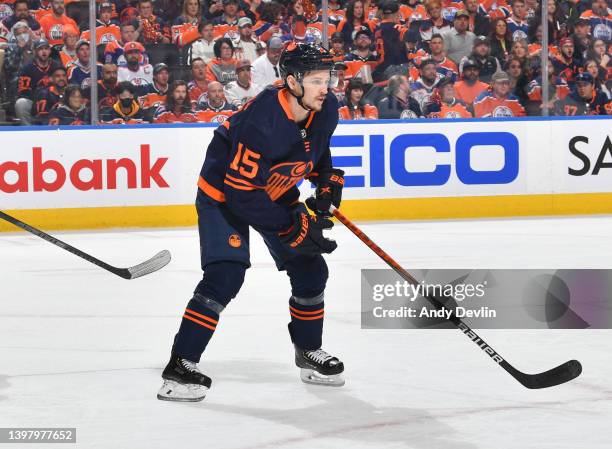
248, 179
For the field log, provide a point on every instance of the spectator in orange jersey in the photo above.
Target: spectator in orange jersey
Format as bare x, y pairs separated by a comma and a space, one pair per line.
223, 67
53, 24
177, 107
470, 85
68, 52
444, 104
204, 47
107, 29
198, 86
126, 110
354, 107
498, 102
113, 52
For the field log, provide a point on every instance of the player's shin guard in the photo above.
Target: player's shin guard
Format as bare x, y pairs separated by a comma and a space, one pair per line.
306, 327
197, 327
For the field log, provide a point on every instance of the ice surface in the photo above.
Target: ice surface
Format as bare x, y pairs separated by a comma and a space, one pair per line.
82, 348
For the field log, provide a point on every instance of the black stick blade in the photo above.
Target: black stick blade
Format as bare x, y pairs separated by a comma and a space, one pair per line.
556, 376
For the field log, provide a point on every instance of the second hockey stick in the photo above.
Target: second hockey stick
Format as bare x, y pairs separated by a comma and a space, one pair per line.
155, 263
558, 375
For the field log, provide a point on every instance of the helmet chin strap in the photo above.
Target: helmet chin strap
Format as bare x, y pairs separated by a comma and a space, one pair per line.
299, 98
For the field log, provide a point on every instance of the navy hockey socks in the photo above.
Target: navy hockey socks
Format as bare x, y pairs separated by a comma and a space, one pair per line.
306, 327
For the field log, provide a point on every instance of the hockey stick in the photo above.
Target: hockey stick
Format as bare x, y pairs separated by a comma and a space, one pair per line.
155, 263
561, 374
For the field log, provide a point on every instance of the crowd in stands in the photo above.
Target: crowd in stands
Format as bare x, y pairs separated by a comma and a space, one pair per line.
165, 61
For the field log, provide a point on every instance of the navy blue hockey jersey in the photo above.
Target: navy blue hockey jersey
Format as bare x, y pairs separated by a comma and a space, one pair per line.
258, 155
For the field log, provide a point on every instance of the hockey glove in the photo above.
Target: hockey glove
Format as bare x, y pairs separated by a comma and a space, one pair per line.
329, 191
306, 233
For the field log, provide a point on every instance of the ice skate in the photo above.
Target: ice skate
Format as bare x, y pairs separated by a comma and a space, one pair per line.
319, 368
183, 381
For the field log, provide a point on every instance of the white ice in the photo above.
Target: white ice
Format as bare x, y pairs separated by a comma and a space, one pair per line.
82, 348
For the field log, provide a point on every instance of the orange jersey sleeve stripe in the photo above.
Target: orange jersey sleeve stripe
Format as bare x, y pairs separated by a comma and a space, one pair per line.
238, 186
211, 191
241, 181
201, 323
204, 317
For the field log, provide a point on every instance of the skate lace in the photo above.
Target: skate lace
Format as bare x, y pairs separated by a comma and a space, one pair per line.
189, 365
318, 356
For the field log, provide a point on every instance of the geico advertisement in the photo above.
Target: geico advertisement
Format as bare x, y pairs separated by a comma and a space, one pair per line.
157, 166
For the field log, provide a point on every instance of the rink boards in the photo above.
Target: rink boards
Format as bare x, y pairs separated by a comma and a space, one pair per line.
141, 176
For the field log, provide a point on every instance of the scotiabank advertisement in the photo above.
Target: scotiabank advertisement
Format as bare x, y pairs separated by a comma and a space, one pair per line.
153, 166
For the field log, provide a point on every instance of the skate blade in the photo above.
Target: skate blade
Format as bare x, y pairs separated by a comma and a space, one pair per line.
313, 377
174, 391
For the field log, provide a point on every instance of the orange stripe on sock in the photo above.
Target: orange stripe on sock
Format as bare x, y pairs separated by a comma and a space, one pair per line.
304, 318
204, 317
314, 312
201, 323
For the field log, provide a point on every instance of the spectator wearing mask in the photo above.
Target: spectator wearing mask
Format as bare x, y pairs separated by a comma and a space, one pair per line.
107, 87
177, 107
470, 85
155, 94
498, 101
482, 55
140, 75
354, 108
584, 100
223, 67
204, 47
71, 110
198, 86
242, 90
398, 103
79, 71
216, 109
389, 44
53, 24
424, 86
265, 68
500, 40
444, 104
126, 110
47, 98
32, 77
18, 53
459, 42
21, 13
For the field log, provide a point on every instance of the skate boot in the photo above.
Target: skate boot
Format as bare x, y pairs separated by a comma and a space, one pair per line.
183, 381
319, 368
